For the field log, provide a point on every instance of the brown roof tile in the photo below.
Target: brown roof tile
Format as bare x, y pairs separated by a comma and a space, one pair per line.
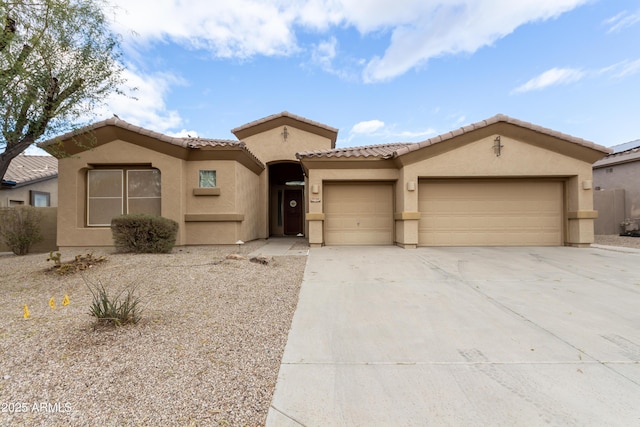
386, 151
189, 143
506, 119
382, 151
283, 114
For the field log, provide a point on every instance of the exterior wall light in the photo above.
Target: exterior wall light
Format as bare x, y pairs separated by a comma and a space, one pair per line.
411, 186
497, 146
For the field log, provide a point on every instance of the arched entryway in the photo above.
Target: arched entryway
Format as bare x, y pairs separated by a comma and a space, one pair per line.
286, 199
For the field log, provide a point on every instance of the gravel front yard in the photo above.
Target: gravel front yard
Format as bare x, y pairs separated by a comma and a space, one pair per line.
207, 351
614, 240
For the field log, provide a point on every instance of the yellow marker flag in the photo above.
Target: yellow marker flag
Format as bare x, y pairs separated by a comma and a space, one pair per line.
66, 301
52, 303
26, 312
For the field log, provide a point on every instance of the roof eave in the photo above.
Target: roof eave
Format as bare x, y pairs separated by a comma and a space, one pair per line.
282, 119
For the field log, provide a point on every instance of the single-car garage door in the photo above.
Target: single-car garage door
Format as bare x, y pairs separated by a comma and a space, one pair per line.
490, 212
358, 214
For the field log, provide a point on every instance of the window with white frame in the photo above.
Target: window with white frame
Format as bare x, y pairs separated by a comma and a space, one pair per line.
114, 192
207, 179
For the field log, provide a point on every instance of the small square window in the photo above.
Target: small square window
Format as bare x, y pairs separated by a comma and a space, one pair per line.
207, 179
40, 199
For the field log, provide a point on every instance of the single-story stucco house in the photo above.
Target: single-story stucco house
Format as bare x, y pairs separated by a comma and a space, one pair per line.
30, 181
500, 181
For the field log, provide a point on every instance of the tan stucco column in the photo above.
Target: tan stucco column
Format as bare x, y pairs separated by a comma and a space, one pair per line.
406, 214
580, 213
315, 215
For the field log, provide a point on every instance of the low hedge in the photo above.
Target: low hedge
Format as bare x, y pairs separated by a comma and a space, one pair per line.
141, 233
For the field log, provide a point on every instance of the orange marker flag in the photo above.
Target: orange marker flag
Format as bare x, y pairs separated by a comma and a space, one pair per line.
26, 312
66, 301
52, 303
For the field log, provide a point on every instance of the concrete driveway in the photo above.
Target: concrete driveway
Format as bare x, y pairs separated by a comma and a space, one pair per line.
384, 336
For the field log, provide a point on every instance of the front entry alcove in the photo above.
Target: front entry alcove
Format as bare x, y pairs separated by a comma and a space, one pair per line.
286, 199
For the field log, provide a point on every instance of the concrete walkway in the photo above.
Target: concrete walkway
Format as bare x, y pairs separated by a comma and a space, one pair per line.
463, 336
282, 246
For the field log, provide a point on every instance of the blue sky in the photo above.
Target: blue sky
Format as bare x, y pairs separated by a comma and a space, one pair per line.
382, 71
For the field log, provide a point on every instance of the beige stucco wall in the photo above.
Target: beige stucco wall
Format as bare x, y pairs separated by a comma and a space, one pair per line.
232, 213
251, 200
621, 176
72, 231
48, 231
610, 205
270, 146
474, 159
22, 193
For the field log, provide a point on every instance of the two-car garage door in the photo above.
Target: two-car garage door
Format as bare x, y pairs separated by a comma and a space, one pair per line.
453, 212
499, 212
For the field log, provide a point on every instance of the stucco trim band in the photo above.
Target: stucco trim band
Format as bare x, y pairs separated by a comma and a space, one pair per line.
222, 217
401, 216
583, 215
314, 216
215, 191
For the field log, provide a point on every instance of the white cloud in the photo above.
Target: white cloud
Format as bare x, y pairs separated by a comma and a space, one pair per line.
239, 28
324, 53
626, 68
184, 134
552, 77
367, 127
419, 30
445, 28
416, 134
621, 21
144, 106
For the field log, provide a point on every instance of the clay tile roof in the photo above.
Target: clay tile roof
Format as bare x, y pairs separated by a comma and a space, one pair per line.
505, 119
25, 169
114, 121
381, 151
204, 142
617, 157
189, 143
279, 115
286, 118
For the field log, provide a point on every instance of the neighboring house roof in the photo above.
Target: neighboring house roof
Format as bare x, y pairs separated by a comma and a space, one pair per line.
186, 143
396, 150
626, 146
618, 157
25, 169
286, 118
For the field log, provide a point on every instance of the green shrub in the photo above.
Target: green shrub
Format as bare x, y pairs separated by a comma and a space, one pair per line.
20, 228
142, 233
119, 309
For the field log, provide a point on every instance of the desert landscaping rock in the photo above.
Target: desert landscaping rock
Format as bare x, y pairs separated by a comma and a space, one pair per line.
206, 352
264, 260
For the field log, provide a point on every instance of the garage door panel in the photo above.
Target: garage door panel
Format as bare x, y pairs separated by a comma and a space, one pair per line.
358, 214
498, 212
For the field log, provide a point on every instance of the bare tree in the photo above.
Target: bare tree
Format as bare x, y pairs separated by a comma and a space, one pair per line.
58, 61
